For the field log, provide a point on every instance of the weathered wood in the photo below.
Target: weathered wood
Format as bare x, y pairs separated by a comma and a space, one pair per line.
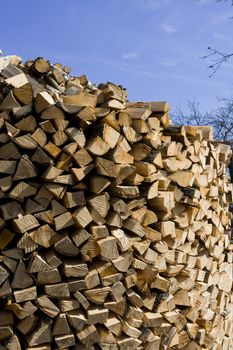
5, 183
25, 294
9, 103
23, 190
25, 223
43, 100
41, 335
26, 142
7, 166
74, 199
97, 315
40, 137
60, 138
52, 149
97, 146
45, 216
82, 300
21, 279
44, 236
58, 290
50, 276
75, 269
106, 167
5, 238
65, 341
46, 305
108, 248
64, 220
82, 99
51, 112
5, 332
100, 204
65, 246
98, 295
9, 151
114, 224
27, 124
81, 173
77, 136
27, 324
14, 343
38, 264
61, 325
57, 208
82, 157
82, 217
40, 65
88, 336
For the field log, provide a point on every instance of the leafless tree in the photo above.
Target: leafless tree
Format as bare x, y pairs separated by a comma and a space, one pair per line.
221, 119
231, 1
215, 56
193, 117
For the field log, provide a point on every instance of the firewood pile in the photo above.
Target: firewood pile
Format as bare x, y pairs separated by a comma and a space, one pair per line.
114, 224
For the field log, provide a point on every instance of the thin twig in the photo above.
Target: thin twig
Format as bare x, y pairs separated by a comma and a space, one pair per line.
226, 1
219, 59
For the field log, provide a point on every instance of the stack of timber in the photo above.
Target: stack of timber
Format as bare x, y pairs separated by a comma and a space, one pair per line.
114, 224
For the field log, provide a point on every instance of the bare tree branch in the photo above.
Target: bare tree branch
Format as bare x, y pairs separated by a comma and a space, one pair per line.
193, 117
226, 1
217, 59
220, 119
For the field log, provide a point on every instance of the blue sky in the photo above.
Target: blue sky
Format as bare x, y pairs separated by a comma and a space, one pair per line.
152, 47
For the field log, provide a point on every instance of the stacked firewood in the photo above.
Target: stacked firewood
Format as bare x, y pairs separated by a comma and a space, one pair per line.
114, 224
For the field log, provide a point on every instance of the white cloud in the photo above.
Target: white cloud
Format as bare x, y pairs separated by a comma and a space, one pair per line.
167, 28
202, 2
130, 55
169, 63
152, 5
220, 37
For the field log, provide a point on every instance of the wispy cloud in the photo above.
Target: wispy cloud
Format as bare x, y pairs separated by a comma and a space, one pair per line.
203, 2
167, 28
130, 55
152, 5
163, 75
220, 18
220, 37
169, 63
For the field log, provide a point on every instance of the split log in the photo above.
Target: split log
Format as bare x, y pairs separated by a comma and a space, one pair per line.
114, 224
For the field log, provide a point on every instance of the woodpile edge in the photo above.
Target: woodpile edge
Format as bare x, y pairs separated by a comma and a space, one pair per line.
115, 230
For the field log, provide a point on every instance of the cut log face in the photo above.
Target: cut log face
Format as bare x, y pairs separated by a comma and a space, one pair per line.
47, 306
25, 294
7, 166
25, 223
64, 220
22, 279
115, 230
108, 248
43, 100
41, 335
44, 236
75, 269
82, 217
11, 210
65, 246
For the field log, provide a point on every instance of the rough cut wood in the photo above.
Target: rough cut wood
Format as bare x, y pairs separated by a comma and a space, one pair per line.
115, 230
43, 100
